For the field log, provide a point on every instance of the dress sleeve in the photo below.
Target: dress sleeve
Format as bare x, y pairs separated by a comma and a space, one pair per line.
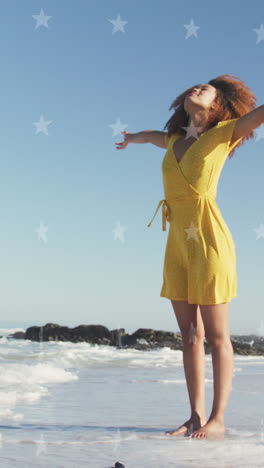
226, 129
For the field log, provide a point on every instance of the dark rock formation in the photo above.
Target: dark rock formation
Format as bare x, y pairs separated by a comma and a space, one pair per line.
20, 335
141, 339
94, 334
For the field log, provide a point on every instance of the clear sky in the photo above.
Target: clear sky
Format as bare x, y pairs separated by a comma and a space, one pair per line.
65, 187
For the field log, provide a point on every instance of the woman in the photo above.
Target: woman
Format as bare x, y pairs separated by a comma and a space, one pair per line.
199, 275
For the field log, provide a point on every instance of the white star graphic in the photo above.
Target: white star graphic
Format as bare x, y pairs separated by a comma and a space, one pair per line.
192, 332
42, 232
191, 29
260, 330
41, 334
119, 337
41, 125
118, 24
42, 20
119, 232
192, 232
190, 431
192, 131
41, 445
259, 231
115, 438
118, 127
261, 424
41, 341
260, 33
191, 428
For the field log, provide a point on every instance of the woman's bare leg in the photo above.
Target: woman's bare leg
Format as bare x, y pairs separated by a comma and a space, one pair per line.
215, 319
192, 331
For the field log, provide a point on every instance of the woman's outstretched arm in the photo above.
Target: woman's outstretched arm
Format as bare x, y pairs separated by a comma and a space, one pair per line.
155, 137
248, 122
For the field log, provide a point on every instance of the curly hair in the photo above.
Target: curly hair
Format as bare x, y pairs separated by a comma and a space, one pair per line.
233, 99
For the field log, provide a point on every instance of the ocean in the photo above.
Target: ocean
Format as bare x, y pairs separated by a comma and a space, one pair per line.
69, 404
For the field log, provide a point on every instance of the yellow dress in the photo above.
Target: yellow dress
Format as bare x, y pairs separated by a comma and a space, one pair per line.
200, 258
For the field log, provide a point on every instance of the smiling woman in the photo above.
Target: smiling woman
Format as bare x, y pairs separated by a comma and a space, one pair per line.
199, 272
223, 98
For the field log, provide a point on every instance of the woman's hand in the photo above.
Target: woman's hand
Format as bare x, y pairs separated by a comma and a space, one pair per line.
127, 139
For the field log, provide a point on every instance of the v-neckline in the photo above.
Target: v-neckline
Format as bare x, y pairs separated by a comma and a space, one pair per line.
195, 141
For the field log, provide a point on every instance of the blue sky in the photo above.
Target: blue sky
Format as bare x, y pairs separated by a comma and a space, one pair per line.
83, 77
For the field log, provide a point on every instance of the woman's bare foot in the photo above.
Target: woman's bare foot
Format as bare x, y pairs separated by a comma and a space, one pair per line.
192, 424
213, 429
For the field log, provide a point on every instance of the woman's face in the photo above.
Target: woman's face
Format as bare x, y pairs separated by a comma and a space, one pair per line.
202, 97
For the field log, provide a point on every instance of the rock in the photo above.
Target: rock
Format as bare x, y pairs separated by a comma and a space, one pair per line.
19, 335
95, 334
118, 336
246, 345
142, 339
147, 338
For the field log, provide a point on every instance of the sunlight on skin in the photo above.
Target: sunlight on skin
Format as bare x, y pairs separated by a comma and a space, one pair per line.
211, 430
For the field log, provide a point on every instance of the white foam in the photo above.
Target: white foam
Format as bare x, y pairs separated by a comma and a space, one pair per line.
22, 383
180, 381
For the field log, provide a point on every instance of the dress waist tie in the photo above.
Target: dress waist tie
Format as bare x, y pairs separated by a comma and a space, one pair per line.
165, 206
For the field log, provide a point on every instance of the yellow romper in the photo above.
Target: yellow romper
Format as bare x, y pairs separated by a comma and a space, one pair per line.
200, 258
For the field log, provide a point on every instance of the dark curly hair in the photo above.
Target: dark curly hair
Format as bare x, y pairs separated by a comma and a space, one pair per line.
233, 99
